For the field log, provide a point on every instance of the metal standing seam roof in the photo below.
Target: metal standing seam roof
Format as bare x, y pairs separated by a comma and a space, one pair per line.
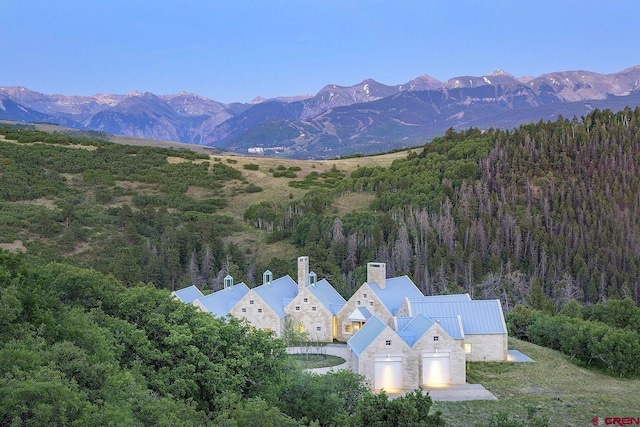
221, 302
478, 316
275, 293
366, 335
327, 295
396, 290
189, 294
448, 298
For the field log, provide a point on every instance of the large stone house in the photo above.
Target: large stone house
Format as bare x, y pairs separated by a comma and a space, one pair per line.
397, 338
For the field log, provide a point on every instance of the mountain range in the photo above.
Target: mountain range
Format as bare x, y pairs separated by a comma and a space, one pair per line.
366, 118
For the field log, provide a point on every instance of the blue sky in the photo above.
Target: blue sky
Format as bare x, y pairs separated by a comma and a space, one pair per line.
235, 50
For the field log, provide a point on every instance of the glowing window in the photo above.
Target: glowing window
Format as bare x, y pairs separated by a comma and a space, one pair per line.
347, 329
467, 348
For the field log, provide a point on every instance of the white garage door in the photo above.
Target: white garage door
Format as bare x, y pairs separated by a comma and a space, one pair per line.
388, 373
436, 369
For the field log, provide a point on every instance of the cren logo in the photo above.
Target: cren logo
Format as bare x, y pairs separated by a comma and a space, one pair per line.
618, 421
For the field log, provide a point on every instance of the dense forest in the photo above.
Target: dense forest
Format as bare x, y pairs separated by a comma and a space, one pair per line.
551, 205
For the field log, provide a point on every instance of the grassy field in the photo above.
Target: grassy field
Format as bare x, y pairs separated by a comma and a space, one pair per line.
553, 387
313, 361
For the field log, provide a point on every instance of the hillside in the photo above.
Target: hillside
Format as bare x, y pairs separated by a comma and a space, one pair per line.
553, 387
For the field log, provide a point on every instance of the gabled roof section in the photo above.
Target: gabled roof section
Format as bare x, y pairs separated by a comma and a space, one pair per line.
327, 295
478, 316
452, 325
189, 294
221, 302
360, 314
274, 294
415, 329
366, 335
395, 291
447, 298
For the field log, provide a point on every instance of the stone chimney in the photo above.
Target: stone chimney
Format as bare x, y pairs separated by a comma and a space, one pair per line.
303, 272
377, 272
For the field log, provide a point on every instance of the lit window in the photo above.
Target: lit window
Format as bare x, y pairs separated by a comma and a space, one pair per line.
318, 328
347, 329
300, 327
467, 348
436, 338
268, 329
244, 310
306, 299
297, 308
259, 310
314, 308
387, 342
251, 301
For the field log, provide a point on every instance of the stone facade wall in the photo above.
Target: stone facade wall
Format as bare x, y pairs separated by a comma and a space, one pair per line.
267, 319
378, 348
426, 344
321, 317
487, 348
366, 297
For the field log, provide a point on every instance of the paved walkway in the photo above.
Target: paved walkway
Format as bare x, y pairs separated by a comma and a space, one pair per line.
516, 356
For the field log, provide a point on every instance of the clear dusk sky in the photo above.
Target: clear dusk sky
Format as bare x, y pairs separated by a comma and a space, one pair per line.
235, 50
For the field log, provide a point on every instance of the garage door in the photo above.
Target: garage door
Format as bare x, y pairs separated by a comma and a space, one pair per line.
436, 369
388, 373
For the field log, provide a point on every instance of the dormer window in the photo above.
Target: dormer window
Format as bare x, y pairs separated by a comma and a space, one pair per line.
267, 277
313, 278
228, 282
